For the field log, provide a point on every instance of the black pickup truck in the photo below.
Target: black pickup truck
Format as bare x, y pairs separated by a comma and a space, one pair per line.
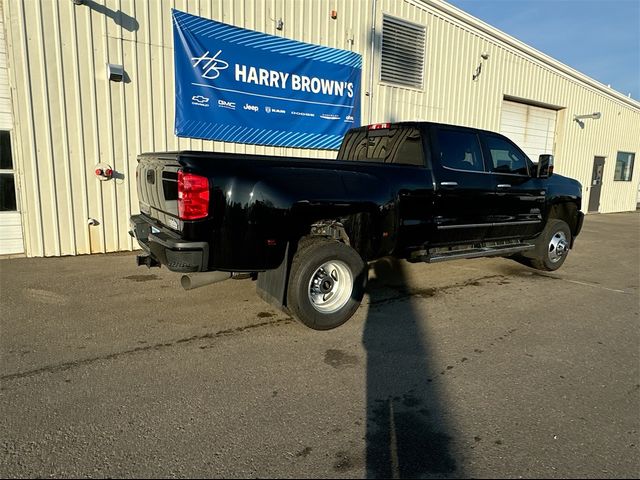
306, 228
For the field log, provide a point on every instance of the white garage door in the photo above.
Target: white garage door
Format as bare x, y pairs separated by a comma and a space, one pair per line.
10, 221
531, 128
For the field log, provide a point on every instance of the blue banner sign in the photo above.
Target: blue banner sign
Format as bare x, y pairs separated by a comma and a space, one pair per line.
239, 85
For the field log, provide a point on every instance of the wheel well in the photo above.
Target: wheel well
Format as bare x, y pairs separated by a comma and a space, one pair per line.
567, 212
355, 230
330, 228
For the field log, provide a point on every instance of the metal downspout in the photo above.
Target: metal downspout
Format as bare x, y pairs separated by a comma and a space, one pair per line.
372, 57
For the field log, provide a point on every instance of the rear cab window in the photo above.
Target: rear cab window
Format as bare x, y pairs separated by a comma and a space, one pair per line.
399, 144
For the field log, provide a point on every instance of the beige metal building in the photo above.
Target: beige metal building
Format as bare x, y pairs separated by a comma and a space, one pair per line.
60, 115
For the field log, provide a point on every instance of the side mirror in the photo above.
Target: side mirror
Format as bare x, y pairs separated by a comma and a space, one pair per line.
545, 166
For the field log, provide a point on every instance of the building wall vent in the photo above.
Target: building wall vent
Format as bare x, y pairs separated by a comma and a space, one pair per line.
403, 50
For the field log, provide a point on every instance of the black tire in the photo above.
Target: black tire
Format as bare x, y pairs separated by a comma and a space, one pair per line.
337, 289
552, 246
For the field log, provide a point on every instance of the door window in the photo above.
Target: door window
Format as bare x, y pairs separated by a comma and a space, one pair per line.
505, 156
460, 150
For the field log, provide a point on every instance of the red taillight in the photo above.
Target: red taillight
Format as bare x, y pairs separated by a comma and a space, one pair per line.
379, 126
193, 196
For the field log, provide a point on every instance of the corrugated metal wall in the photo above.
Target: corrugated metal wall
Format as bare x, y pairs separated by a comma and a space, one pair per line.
451, 95
69, 117
6, 122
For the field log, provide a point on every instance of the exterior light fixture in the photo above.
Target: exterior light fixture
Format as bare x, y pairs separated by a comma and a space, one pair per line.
476, 74
115, 73
595, 116
579, 118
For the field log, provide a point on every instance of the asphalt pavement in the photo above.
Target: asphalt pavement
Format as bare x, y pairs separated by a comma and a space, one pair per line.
472, 368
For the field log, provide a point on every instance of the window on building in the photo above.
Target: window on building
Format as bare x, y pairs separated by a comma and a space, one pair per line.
505, 157
402, 57
624, 166
7, 180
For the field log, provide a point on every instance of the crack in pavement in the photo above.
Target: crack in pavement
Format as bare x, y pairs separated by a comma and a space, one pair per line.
586, 284
158, 346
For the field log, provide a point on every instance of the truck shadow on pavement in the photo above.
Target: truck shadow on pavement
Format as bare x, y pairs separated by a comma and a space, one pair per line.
406, 422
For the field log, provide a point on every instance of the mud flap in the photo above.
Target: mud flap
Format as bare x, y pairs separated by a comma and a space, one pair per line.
272, 284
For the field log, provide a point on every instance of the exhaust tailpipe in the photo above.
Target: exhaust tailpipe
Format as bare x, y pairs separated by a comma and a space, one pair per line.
189, 281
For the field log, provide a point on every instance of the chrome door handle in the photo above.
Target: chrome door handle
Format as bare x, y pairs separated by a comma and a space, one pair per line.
504, 185
448, 184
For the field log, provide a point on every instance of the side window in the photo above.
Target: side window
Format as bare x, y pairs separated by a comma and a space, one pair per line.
505, 157
460, 150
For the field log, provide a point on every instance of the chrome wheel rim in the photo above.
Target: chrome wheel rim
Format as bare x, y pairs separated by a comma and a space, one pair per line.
558, 247
330, 287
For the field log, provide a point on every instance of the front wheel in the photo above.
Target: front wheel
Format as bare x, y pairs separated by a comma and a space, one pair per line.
552, 247
326, 284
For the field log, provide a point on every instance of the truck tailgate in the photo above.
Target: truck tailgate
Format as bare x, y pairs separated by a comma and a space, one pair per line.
157, 181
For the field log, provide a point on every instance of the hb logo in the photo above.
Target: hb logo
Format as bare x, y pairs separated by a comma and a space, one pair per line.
211, 65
